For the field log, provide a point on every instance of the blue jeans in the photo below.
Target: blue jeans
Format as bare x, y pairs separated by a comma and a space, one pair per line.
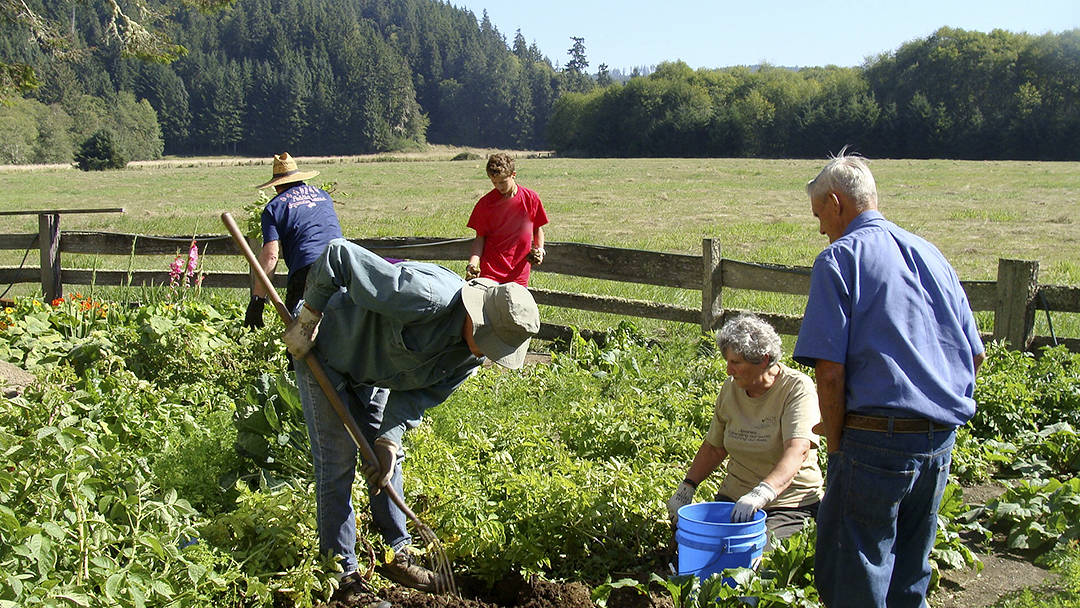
878, 520
334, 456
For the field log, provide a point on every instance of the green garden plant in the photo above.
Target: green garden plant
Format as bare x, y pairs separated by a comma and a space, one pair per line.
161, 457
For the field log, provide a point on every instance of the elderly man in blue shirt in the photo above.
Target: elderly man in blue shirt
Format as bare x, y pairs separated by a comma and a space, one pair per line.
890, 333
414, 328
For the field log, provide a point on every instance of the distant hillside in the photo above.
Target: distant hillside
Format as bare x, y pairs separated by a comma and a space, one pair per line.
318, 77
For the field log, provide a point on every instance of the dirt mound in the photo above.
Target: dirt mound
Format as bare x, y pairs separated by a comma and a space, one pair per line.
510, 592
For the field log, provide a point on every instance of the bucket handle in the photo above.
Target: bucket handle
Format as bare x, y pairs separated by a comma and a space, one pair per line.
725, 546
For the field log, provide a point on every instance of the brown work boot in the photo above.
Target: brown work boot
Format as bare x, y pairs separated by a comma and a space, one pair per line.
353, 590
405, 570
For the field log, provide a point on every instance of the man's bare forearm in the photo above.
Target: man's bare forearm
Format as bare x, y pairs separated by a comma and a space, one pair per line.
830, 386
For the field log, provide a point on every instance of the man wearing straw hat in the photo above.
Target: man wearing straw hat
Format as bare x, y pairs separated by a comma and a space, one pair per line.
298, 222
415, 328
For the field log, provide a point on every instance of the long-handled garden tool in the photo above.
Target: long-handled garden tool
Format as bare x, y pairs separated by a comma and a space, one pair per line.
444, 573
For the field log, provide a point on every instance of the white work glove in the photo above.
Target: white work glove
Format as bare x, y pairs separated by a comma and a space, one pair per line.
299, 337
751, 502
683, 496
386, 452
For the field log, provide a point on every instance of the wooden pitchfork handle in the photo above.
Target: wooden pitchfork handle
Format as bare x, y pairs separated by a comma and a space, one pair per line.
316, 369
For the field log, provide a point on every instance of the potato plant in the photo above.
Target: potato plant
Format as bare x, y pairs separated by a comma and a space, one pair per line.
161, 458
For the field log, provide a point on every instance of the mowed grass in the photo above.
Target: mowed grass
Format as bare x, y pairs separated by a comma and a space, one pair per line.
975, 212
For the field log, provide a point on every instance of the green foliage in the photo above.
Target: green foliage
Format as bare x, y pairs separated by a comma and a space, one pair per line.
749, 590
271, 430
34, 132
976, 460
162, 458
535, 471
1005, 402
1039, 516
252, 215
135, 127
893, 107
1053, 451
949, 550
784, 578
1027, 410
99, 152
272, 533
86, 517
791, 562
119, 487
201, 462
415, 70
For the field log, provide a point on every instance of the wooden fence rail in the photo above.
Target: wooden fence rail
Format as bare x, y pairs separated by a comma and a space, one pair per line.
1014, 298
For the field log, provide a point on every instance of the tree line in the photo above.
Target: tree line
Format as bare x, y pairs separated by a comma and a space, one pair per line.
954, 94
310, 76
359, 76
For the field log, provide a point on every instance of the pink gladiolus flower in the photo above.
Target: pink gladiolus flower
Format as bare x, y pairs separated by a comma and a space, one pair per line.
176, 270
193, 258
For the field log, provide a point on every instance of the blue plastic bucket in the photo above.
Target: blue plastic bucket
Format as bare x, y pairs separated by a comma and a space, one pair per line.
709, 542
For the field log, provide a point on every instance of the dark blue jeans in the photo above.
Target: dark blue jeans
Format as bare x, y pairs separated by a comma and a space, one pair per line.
334, 456
878, 520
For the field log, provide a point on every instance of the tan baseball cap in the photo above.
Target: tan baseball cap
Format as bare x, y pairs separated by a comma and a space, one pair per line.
504, 319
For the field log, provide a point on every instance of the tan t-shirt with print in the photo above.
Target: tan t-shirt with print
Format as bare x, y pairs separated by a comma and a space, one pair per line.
753, 430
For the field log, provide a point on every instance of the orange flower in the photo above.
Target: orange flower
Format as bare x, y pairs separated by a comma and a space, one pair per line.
57, 301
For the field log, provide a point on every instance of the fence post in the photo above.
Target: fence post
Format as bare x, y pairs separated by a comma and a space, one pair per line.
49, 241
1014, 313
712, 307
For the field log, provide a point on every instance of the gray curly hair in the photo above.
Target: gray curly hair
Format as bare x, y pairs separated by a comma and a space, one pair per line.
750, 337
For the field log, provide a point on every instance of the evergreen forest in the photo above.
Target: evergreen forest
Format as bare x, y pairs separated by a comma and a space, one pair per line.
323, 77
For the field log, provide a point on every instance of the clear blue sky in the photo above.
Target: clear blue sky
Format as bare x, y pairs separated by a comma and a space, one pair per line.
629, 33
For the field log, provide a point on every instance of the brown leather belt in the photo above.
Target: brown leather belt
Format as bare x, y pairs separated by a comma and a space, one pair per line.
899, 425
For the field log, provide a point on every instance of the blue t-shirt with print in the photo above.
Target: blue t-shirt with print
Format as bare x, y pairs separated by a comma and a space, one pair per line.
303, 219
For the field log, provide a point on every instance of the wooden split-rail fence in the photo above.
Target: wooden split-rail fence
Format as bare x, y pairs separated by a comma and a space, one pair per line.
1014, 297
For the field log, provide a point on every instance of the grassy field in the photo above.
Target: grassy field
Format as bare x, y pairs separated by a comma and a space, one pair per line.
976, 212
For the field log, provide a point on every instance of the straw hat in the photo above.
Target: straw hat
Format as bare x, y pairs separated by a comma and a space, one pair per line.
285, 172
504, 318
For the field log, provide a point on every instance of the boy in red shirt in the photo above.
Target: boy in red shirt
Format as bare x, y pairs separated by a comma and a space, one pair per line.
508, 223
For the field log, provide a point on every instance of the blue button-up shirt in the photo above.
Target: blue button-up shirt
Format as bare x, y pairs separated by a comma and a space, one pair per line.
888, 306
397, 326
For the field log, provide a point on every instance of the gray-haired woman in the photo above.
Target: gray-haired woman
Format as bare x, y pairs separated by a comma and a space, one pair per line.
763, 424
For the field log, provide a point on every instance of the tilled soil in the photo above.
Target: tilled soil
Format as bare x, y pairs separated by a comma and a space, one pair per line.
533, 593
512, 592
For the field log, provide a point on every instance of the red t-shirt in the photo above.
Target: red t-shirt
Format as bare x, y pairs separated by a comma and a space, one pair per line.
507, 225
